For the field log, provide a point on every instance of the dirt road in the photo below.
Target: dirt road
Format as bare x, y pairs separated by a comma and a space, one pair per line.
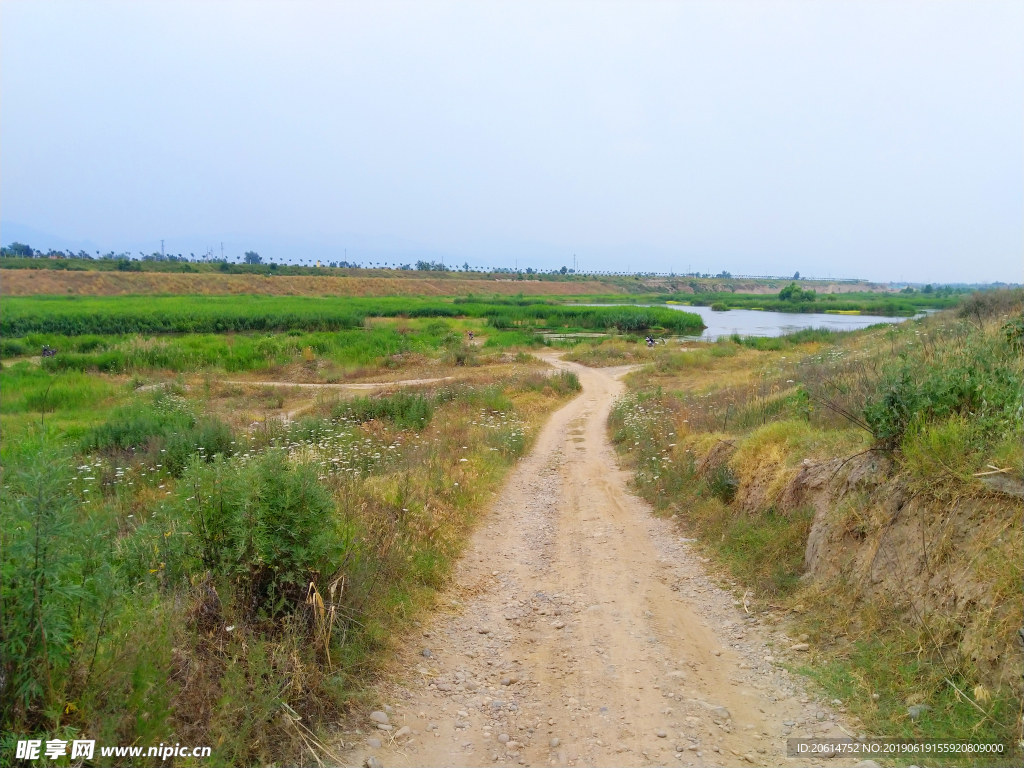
581, 630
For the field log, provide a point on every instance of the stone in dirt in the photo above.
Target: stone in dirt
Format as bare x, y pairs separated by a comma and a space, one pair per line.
379, 717
916, 710
405, 730
373, 743
800, 647
372, 762
554, 743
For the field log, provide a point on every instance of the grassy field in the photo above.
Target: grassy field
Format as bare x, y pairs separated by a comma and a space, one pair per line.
217, 314
189, 558
899, 447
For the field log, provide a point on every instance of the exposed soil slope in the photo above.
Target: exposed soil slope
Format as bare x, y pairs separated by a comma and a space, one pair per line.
30, 282
581, 630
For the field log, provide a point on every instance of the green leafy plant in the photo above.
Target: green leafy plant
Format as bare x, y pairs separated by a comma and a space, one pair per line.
268, 527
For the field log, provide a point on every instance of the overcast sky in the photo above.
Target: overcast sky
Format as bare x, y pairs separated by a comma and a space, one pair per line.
881, 139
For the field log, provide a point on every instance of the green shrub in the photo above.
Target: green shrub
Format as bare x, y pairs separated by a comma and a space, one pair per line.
67, 633
42, 582
978, 377
794, 293
267, 526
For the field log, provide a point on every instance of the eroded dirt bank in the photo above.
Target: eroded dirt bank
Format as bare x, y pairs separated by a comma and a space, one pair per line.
581, 630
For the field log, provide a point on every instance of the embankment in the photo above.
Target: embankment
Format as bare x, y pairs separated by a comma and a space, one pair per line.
26, 282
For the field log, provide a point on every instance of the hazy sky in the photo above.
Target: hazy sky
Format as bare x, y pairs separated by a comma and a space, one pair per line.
879, 139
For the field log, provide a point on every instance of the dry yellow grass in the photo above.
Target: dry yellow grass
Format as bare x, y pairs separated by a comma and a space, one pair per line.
29, 282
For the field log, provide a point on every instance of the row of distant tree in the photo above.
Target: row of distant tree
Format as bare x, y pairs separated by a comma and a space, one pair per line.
20, 250
252, 257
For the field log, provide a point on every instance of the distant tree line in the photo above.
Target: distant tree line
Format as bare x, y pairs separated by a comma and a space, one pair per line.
22, 251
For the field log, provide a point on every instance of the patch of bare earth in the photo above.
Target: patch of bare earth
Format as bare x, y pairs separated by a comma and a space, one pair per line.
32, 282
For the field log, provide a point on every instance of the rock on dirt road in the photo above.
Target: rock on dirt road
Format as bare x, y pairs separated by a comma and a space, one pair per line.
581, 630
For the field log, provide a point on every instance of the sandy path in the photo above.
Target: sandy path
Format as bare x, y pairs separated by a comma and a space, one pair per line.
355, 387
585, 631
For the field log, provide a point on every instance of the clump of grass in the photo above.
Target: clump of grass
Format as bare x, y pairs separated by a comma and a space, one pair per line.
507, 339
404, 410
561, 382
788, 340
763, 547
603, 354
24, 388
165, 429
722, 483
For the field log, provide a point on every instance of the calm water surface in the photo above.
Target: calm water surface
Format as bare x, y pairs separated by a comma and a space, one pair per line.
750, 322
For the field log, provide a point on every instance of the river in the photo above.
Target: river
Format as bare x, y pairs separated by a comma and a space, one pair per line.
751, 322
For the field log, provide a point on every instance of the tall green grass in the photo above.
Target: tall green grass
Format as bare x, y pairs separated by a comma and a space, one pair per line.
166, 430
236, 352
404, 410
75, 315
30, 393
